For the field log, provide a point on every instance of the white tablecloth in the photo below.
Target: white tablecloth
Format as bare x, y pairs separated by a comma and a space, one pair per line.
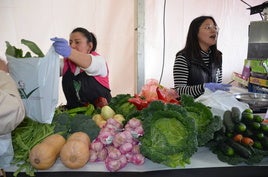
203, 158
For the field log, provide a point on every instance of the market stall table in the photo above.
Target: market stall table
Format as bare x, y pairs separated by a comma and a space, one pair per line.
203, 164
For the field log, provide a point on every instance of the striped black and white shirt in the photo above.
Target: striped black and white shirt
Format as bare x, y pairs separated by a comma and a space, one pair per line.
181, 74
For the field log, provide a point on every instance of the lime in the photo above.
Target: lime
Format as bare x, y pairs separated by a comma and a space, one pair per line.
257, 144
247, 117
248, 111
255, 125
241, 127
260, 136
229, 151
264, 127
257, 118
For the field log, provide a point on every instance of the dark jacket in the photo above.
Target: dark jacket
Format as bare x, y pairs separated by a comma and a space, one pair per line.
199, 73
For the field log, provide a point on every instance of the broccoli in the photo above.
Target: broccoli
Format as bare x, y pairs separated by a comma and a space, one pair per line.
62, 124
66, 124
84, 123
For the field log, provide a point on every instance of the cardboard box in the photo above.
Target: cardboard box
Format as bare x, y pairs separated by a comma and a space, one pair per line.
258, 81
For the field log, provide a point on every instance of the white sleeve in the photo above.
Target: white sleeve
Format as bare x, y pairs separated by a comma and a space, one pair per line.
11, 106
97, 68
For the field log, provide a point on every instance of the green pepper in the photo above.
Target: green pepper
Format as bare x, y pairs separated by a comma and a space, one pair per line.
76, 110
90, 110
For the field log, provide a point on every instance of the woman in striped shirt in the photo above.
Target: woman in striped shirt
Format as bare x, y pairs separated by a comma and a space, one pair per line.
199, 64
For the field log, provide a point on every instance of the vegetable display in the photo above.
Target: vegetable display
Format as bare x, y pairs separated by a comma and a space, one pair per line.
164, 131
241, 140
157, 124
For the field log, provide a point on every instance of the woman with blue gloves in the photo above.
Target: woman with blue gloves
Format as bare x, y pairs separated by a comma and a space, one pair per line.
199, 64
85, 74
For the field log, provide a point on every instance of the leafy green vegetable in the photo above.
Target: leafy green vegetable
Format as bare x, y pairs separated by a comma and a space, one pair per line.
24, 137
170, 137
236, 159
33, 47
13, 51
18, 53
206, 123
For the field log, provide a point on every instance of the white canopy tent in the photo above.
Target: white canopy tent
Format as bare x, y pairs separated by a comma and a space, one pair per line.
139, 38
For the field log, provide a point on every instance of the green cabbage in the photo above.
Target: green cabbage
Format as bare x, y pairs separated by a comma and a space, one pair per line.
206, 122
170, 136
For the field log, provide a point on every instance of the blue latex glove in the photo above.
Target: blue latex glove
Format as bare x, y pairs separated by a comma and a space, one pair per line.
61, 46
217, 86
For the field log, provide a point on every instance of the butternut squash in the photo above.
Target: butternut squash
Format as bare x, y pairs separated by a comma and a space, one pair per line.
81, 136
75, 153
43, 155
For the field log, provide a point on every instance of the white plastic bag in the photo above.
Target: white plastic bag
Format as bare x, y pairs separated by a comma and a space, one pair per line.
220, 101
6, 150
38, 84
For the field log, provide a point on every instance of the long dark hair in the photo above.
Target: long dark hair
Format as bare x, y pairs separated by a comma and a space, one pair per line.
192, 47
89, 35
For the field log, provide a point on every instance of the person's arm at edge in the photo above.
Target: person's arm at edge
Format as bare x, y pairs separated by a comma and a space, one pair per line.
11, 106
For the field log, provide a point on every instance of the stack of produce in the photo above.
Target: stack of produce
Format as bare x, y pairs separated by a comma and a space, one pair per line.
157, 124
152, 124
117, 145
243, 138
